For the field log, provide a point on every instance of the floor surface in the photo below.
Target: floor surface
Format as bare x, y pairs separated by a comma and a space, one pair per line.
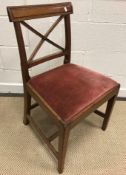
91, 151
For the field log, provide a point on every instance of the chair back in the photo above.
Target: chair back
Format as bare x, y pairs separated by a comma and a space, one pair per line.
19, 14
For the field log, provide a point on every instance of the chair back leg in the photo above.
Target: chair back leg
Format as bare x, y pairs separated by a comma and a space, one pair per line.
108, 112
27, 105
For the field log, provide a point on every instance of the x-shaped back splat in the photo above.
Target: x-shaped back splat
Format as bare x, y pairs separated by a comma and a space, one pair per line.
44, 38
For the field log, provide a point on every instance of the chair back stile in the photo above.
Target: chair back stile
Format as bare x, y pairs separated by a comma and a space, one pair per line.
18, 15
67, 39
22, 52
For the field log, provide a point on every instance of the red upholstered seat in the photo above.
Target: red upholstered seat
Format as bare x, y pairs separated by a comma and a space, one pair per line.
70, 88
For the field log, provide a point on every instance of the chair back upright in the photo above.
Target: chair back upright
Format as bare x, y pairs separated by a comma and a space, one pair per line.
20, 14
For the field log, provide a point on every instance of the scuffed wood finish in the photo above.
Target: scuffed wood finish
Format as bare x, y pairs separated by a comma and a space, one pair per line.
17, 15
20, 13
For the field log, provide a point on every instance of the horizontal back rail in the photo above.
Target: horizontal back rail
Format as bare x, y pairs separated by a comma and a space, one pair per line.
45, 58
20, 13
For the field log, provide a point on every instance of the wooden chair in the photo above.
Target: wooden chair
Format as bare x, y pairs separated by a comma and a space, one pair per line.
69, 93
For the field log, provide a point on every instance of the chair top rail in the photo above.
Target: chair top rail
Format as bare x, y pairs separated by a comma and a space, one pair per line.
27, 12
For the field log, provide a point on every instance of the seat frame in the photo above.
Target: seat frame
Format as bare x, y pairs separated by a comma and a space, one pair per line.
17, 15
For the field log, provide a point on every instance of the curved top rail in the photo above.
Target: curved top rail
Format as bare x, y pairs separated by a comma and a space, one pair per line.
27, 12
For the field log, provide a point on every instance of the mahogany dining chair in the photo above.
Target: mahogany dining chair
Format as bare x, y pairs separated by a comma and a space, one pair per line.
68, 93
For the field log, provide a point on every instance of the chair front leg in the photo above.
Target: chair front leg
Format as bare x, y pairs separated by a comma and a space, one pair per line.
27, 104
63, 142
108, 112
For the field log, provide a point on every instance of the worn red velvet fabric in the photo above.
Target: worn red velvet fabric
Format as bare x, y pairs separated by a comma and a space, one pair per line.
70, 88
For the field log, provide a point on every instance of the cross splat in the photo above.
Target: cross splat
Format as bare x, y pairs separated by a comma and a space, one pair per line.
31, 61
